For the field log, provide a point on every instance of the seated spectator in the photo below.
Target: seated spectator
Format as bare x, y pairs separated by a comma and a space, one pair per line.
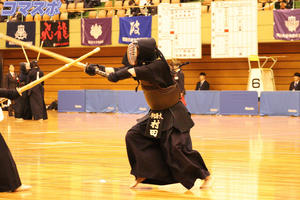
202, 84
283, 4
150, 10
69, 1
91, 3
295, 85
277, 5
289, 4
134, 11
2, 18
17, 17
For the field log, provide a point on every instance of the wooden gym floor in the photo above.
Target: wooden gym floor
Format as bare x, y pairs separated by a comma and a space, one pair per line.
75, 156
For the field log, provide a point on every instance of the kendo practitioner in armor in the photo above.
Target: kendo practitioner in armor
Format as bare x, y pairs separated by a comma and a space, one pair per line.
22, 107
9, 176
36, 94
159, 146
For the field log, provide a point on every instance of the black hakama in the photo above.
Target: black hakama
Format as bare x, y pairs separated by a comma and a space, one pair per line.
36, 96
37, 103
169, 159
22, 107
9, 176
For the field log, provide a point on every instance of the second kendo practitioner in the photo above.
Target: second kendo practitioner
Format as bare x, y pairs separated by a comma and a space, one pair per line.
22, 108
9, 175
36, 94
159, 146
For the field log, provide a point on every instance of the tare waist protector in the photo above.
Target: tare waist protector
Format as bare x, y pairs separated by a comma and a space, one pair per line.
160, 98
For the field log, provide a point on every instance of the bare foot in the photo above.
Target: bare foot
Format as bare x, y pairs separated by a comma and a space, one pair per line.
23, 188
207, 183
137, 181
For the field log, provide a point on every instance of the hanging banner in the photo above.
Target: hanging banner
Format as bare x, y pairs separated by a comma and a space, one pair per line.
24, 31
96, 32
286, 24
55, 33
132, 28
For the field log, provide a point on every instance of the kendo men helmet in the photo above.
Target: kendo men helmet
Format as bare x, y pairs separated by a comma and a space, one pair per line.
24, 67
34, 63
142, 51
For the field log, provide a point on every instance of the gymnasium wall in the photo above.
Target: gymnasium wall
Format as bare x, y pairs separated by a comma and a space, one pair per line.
223, 74
265, 29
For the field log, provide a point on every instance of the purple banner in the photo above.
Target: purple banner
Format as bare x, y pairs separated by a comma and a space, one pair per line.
96, 32
286, 24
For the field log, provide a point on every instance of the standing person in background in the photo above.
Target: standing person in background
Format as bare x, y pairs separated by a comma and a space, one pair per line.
36, 94
202, 84
295, 85
11, 82
179, 78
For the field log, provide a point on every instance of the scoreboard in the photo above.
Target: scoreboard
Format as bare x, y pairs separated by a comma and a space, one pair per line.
179, 30
234, 29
